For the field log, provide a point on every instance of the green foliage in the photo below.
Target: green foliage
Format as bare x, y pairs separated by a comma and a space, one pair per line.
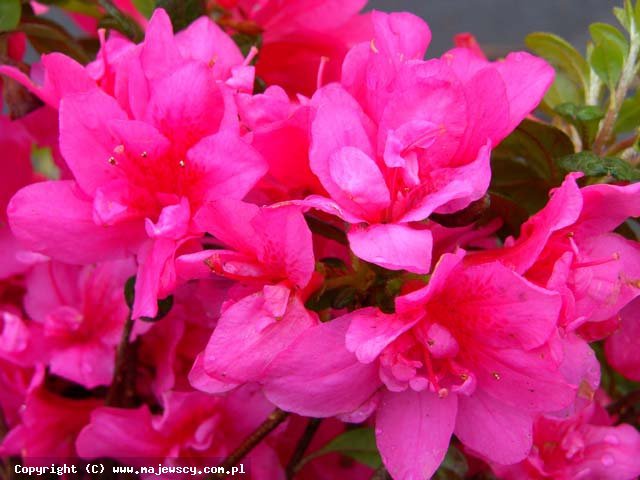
164, 305
85, 7
10, 11
629, 116
609, 52
594, 166
358, 444
182, 12
586, 119
47, 36
145, 7
116, 20
572, 79
453, 467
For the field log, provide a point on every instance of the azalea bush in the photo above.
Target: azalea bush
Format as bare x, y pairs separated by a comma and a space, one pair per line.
271, 237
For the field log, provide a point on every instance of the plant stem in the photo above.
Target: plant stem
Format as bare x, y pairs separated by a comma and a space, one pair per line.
622, 145
273, 420
122, 390
626, 77
301, 447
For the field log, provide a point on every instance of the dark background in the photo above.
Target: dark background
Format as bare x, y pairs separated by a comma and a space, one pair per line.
501, 25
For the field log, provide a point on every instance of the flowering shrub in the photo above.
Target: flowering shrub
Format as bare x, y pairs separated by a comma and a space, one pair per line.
271, 234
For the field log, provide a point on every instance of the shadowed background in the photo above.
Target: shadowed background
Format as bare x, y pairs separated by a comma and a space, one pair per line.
501, 25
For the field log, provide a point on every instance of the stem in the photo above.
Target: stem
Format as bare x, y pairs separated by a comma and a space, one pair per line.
622, 145
626, 77
301, 447
122, 390
273, 420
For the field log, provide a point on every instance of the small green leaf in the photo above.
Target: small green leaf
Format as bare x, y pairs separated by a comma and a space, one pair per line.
609, 52
145, 7
47, 36
594, 166
586, 119
629, 116
10, 11
359, 444
453, 467
564, 58
622, 17
182, 12
85, 7
119, 21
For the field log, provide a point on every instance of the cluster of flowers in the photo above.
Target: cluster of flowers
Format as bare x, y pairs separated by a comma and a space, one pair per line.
175, 171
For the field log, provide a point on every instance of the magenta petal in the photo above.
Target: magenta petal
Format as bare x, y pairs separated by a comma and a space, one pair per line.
621, 348
156, 276
393, 246
371, 331
317, 376
248, 337
413, 430
223, 178
493, 429
55, 218
86, 141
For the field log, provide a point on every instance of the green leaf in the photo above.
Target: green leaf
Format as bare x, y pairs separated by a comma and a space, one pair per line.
609, 52
117, 20
145, 7
182, 12
10, 11
47, 36
629, 116
594, 166
565, 59
85, 7
359, 444
524, 169
586, 119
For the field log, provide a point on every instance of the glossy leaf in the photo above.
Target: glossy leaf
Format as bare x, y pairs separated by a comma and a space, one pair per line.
609, 52
145, 7
359, 444
182, 12
46, 36
117, 20
586, 119
9, 14
629, 116
565, 59
594, 166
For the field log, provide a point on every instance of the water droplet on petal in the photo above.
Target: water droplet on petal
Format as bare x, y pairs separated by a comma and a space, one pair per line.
607, 460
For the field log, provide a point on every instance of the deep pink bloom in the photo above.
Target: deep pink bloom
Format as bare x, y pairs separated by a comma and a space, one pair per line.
569, 247
48, 428
81, 312
621, 347
194, 429
585, 446
400, 138
270, 250
475, 353
144, 162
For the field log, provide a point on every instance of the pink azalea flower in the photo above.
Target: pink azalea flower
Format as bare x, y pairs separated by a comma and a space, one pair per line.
303, 41
48, 428
400, 138
81, 311
585, 446
193, 429
621, 347
143, 162
569, 247
475, 353
271, 250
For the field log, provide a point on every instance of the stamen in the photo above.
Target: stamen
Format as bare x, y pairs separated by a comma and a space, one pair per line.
430, 373
112, 161
181, 163
323, 62
372, 44
595, 263
250, 56
496, 375
119, 149
144, 154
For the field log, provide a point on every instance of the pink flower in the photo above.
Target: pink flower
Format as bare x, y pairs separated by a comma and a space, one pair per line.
400, 138
569, 247
81, 311
270, 250
48, 428
303, 41
193, 429
621, 347
143, 162
475, 353
585, 446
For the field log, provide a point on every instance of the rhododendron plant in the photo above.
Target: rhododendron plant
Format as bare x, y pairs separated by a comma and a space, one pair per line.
282, 240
